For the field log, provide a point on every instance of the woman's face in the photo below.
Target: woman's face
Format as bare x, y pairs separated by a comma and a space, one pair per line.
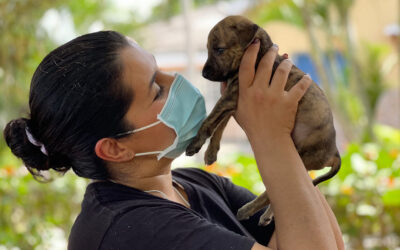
150, 89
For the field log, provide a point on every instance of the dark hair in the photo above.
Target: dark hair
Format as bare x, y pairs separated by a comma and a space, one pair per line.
76, 98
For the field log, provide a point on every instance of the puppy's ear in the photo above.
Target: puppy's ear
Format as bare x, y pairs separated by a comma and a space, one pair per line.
248, 34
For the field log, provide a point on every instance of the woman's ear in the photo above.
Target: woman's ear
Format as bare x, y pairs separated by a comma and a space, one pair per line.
110, 149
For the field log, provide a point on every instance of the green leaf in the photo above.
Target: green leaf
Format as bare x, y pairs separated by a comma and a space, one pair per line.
391, 198
387, 134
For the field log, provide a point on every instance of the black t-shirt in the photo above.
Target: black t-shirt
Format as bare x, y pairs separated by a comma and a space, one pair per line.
115, 216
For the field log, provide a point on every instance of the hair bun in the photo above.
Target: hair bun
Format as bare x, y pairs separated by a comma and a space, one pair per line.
16, 138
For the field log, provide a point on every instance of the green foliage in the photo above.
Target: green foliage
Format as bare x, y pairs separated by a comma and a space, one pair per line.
242, 170
166, 10
85, 12
278, 10
169, 8
30, 211
365, 194
24, 43
375, 84
350, 105
387, 135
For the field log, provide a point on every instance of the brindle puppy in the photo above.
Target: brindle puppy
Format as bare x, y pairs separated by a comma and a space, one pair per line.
313, 133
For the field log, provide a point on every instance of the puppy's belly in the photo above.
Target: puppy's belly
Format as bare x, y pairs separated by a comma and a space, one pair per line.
301, 132
315, 146
313, 133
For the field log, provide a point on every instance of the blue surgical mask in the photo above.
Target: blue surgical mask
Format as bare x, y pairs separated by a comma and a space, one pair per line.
184, 111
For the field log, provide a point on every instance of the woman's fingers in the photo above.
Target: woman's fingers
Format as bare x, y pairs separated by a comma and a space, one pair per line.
300, 88
247, 64
281, 75
264, 69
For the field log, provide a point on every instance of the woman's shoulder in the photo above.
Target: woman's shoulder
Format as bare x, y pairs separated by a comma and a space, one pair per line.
169, 226
109, 207
119, 198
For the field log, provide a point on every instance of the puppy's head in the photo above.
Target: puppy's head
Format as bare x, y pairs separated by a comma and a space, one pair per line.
226, 44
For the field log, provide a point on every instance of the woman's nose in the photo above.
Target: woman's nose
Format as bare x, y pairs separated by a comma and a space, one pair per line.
165, 79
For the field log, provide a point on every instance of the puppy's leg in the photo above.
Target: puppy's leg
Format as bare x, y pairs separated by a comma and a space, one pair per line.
253, 207
208, 127
225, 106
266, 217
213, 148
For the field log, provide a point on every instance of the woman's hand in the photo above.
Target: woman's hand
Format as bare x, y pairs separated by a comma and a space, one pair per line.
264, 108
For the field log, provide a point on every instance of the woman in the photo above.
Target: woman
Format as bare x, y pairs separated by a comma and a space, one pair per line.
99, 105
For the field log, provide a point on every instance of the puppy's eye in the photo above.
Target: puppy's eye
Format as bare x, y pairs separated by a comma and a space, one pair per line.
219, 51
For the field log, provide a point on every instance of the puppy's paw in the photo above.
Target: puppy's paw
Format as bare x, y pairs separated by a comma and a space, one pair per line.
190, 151
264, 221
210, 156
244, 212
194, 146
266, 217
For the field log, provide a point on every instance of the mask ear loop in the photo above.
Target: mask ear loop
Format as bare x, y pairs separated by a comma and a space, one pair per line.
143, 128
148, 153
139, 129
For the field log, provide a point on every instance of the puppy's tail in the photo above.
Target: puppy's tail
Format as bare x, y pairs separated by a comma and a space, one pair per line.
335, 162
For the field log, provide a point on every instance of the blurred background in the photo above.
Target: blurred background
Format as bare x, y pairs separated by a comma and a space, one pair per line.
351, 48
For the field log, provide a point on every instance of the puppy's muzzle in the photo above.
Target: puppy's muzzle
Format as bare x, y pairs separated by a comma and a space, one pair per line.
211, 72
207, 71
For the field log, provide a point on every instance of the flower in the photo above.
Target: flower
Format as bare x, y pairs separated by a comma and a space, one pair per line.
211, 168
394, 153
346, 190
362, 166
371, 151
8, 170
312, 174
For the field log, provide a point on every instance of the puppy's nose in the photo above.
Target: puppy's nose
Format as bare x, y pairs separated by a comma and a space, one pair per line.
204, 73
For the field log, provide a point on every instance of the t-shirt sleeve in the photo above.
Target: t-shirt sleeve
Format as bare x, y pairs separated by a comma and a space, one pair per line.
235, 197
170, 228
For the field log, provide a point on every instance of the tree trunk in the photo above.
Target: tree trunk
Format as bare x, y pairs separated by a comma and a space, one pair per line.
358, 83
317, 56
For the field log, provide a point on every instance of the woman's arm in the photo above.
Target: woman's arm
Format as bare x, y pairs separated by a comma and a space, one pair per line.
332, 220
300, 218
267, 114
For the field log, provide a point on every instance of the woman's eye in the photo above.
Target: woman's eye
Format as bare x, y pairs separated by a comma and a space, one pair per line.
159, 93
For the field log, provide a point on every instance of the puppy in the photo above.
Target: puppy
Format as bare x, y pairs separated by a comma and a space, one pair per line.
313, 133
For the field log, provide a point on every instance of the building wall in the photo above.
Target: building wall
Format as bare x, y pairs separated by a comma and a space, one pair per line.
368, 19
